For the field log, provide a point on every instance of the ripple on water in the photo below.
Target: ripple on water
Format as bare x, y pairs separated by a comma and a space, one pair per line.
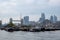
52, 35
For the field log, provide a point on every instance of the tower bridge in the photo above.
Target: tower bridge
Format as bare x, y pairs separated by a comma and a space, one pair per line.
11, 20
18, 24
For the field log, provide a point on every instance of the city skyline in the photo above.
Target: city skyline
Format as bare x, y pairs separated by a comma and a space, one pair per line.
26, 19
31, 8
29, 19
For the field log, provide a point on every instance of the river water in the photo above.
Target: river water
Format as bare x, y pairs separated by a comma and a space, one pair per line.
19, 35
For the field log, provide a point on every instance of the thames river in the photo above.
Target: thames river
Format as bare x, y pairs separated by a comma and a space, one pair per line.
19, 35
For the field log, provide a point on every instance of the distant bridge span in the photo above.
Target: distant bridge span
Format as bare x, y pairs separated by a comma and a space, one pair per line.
11, 20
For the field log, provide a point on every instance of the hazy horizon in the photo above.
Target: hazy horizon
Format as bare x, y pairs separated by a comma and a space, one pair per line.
32, 8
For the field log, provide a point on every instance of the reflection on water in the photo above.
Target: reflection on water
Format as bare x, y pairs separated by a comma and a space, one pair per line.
52, 35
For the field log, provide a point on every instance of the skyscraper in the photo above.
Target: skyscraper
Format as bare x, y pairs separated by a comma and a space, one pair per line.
42, 18
55, 19
26, 20
52, 19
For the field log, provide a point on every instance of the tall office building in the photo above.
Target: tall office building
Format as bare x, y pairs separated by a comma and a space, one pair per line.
42, 18
52, 19
26, 20
55, 19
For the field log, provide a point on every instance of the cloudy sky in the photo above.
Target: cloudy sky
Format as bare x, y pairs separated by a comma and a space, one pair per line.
31, 8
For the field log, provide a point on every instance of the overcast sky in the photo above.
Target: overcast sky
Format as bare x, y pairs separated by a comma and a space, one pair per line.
32, 8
